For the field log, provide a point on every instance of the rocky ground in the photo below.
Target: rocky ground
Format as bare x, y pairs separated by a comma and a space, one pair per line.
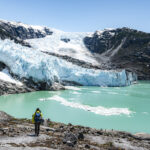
18, 134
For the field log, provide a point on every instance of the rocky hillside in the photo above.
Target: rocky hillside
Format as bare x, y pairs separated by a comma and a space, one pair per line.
122, 48
18, 134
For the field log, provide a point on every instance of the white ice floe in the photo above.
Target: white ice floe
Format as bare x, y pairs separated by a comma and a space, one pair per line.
113, 93
100, 110
145, 113
96, 91
73, 88
76, 93
5, 76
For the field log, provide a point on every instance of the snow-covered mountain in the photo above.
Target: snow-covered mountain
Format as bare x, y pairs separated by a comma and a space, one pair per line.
47, 56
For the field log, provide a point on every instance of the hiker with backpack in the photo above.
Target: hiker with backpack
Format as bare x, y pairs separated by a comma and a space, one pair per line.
37, 119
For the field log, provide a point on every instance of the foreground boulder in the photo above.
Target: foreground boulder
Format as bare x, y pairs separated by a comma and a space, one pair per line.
70, 139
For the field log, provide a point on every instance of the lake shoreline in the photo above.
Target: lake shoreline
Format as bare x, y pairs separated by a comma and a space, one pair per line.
19, 134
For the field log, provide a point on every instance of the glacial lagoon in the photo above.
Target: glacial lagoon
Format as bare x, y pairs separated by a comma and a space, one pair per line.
118, 108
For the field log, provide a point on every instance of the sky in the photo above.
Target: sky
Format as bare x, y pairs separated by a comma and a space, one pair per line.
79, 15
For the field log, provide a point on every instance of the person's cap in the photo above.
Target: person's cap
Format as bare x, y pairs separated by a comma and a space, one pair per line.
37, 109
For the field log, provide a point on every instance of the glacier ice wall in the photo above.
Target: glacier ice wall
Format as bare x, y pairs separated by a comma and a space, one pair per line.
27, 62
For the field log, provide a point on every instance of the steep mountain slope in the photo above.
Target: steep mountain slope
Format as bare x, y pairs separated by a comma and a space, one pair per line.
122, 48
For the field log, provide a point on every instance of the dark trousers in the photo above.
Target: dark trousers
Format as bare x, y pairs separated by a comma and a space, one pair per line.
37, 128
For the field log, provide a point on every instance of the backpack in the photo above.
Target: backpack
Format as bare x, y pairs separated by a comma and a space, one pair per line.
37, 117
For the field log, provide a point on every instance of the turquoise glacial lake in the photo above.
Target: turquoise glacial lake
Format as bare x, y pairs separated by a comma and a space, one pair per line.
119, 108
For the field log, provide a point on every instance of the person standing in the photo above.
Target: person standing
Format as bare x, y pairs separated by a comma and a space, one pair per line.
37, 119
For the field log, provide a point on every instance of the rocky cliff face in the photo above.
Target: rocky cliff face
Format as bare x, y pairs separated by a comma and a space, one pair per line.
122, 48
6, 35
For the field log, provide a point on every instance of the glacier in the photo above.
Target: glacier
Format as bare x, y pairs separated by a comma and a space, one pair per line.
29, 63
74, 48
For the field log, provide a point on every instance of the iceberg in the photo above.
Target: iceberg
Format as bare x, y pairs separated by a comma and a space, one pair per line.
29, 63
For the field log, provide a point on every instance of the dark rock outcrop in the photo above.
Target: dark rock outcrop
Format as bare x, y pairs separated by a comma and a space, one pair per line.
66, 40
6, 35
99, 42
10, 88
2, 66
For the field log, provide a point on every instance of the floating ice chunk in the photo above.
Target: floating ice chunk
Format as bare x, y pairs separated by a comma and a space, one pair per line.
96, 91
146, 113
72, 88
114, 93
77, 93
